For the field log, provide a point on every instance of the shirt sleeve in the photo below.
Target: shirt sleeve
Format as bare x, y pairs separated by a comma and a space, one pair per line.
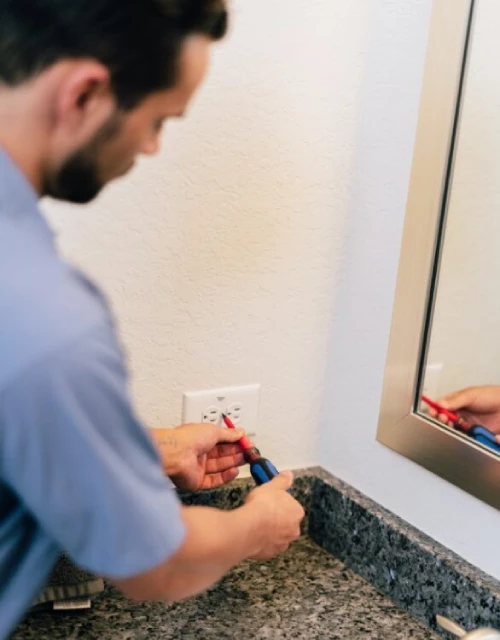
87, 470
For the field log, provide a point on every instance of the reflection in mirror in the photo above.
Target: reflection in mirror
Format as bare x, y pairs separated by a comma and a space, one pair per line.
449, 262
462, 371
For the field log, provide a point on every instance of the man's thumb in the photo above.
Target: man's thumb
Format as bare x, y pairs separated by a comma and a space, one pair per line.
283, 481
230, 435
459, 400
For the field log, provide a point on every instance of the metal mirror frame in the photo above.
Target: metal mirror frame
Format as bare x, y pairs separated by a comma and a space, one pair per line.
442, 451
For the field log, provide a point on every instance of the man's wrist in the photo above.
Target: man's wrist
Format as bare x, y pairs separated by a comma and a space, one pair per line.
167, 444
257, 523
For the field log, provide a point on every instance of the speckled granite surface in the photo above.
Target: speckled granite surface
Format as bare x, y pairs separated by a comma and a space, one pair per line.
305, 594
416, 572
419, 574
308, 593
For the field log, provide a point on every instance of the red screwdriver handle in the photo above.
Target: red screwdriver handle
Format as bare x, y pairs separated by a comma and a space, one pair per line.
244, 442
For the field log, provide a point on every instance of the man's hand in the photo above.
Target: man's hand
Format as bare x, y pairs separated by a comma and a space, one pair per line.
282, 513
477, 405
217, 540
199, 456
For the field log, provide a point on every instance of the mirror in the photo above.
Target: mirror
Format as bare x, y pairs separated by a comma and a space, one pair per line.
463, 341
446, 314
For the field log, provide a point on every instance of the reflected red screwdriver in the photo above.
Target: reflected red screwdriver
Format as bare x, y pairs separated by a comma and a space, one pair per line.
475, 431
456, 419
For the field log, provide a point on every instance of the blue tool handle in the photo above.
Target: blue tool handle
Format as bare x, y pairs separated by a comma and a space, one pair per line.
263, 471
483, 436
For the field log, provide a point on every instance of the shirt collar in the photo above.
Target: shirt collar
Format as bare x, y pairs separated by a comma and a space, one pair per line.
19, 200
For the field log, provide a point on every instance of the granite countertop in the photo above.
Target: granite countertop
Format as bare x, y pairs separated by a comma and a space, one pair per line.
306, 593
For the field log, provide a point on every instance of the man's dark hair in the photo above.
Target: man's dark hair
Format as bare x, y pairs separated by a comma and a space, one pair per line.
139, 41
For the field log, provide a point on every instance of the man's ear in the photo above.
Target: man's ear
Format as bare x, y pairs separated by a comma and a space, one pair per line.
85, 99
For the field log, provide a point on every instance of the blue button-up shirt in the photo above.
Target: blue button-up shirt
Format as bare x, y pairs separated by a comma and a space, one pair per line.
78, 472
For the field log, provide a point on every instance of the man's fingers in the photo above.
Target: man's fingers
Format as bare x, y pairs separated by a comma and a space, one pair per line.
221, 434
222, 450
437, 416
216, 464
230, 435
216, 480
459, 399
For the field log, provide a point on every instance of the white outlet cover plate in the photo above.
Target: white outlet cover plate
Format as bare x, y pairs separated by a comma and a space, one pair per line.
430, 385
196, 404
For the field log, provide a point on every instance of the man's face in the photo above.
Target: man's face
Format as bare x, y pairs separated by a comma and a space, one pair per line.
113, 149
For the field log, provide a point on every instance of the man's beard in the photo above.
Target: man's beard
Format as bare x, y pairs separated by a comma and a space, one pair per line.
77, 180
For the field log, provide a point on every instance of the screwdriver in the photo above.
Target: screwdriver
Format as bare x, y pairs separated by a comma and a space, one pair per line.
476, 431
262, 470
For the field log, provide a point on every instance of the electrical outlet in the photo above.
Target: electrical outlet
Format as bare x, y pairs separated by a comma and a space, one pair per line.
234, 411
211, 414
430, 385
241, 404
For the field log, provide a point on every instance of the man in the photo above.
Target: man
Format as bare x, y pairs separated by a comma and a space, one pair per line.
84, 88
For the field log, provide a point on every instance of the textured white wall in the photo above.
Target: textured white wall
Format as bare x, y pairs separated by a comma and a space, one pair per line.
465, 334
221, 255
263, 244
364, 298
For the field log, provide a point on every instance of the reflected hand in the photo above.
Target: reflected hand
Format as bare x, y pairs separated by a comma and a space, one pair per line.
476, 405
199, 456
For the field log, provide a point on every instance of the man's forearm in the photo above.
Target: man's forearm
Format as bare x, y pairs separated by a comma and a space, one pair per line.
216, 541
